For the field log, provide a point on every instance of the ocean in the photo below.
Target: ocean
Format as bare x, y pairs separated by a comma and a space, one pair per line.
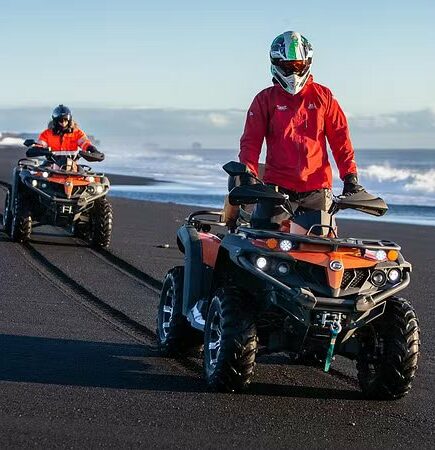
405, 179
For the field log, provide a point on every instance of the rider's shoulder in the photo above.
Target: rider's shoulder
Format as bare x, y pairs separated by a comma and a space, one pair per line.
321, 89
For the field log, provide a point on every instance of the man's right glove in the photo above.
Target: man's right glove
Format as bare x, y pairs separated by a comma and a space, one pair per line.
351, 185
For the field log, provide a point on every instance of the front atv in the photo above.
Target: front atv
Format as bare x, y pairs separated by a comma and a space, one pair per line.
58, 192
312, 295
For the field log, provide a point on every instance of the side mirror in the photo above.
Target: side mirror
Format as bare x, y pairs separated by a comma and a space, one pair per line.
235, 168
29, 142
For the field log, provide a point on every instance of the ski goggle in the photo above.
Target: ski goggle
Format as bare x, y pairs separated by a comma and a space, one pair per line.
291, 67
62, 119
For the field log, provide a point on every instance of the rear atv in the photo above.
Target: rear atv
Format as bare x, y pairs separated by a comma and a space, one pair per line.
58, 192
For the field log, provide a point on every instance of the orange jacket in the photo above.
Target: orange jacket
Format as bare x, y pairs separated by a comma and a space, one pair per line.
296, 128
68, 141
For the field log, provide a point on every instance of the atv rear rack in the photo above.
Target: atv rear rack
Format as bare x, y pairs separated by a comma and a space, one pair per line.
204, 224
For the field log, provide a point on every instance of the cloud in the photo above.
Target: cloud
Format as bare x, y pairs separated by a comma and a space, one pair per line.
218, 119
401, 122
217, 128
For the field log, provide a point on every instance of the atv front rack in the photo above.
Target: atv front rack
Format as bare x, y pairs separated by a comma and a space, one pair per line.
335, 242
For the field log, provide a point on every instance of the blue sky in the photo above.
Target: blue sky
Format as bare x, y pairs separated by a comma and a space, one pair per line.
377, 56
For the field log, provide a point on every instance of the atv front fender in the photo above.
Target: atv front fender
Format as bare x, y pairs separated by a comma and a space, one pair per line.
197, 275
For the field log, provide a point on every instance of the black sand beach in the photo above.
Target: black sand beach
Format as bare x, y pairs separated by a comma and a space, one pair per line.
79, 366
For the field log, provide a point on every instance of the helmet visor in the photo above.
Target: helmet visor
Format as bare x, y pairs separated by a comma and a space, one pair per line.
288, 68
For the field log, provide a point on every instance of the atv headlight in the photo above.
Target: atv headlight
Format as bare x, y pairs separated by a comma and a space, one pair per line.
91, 189
285, 245
44, 185
378, 278
377, 255
100, 189
283, 268
91, 179
261, 262
394, 275
45, 174
34, 183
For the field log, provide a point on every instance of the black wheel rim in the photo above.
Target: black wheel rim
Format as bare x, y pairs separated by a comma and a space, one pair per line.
215, 337
6, 211
374, 349
168, 309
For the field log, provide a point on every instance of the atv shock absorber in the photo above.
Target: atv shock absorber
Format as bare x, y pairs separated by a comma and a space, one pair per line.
335, 329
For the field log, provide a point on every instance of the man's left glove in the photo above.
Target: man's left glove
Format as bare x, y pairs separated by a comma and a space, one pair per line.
351, 185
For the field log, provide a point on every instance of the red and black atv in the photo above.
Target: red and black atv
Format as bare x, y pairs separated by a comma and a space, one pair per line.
58, 191
310, 294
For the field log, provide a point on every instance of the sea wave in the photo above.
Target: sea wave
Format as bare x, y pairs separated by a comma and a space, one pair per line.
415, 180
189, 157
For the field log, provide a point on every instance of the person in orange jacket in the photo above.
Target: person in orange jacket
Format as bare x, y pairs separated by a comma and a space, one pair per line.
63, 133
296, 116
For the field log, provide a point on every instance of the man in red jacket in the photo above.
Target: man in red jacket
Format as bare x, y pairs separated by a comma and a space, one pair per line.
64, 134
296, 116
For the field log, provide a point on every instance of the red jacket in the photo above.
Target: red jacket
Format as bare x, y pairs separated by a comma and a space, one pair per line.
68, 141
296, 128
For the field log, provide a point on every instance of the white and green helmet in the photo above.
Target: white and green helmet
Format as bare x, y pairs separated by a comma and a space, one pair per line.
291, 55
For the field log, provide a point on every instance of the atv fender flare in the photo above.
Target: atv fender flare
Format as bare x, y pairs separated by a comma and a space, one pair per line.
16, 180
197, 275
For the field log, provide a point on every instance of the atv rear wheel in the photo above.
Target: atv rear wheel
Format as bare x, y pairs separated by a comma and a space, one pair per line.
388, 359
101, 223
21, 226
174, 334
7, 214
230, 343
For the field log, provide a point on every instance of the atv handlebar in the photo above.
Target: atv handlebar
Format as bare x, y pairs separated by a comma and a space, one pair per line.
254, 193
35, 151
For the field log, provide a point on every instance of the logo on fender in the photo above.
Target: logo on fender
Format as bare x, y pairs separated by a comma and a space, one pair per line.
336, 265
66, 209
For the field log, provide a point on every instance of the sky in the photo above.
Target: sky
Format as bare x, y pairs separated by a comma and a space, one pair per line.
376, 56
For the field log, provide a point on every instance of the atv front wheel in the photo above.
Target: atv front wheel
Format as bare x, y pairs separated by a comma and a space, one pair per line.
7, 214
388, 358
101, 223
21, 226
174, 334
230, 343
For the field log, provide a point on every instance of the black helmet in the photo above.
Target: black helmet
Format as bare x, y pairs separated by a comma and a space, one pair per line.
61, 112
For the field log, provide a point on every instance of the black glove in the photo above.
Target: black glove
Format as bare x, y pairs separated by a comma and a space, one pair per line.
92, 149
351, 185
92, 154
